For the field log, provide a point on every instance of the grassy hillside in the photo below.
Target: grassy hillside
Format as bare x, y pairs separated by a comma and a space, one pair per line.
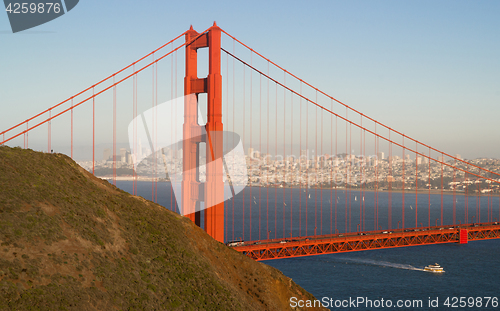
70, 241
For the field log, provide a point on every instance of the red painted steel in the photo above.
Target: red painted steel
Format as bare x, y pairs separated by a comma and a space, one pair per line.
463, 236
214, 186
191, 196
212, 191
340, 243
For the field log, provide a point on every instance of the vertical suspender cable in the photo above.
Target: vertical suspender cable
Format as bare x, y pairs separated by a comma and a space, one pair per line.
49, 134
454, 196
93, 131
233, 107
267, 155
331, 171
403, 187
276, 178
442, 187
291, 164
72, 127
284, 155
134, 128
307, 159
300, 162
336, 168
375, 222
315, 163
389, 183
361, 174
321, 159
429, 203
171, 132
156, 132
114, 132
346, 180
244, 125
251, 144
416, 185
364, 179
350, 173
153, 129
260, 150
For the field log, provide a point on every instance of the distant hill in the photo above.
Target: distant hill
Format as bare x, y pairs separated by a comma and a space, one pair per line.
70, 241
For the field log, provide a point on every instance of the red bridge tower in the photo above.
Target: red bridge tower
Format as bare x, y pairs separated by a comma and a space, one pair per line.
212, 191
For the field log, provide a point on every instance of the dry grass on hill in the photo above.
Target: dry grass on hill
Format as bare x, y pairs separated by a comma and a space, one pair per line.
70, 241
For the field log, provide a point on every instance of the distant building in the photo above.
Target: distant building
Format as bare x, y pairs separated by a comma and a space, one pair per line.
418, 160
169, 154
250, 152
381, 156
123, 155
106, 154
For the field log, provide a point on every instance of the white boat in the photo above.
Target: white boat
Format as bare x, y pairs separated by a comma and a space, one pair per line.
435, 268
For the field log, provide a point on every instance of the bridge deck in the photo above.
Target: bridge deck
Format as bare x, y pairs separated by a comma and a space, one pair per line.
338, 243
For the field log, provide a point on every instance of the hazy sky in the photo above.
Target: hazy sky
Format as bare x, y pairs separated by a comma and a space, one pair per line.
430, 69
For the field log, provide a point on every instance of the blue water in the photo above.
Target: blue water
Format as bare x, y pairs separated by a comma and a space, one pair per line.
472, 270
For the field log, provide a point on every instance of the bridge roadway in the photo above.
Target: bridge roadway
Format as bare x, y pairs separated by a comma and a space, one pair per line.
359, 241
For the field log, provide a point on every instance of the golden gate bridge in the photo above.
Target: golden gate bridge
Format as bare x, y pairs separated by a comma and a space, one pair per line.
360, 200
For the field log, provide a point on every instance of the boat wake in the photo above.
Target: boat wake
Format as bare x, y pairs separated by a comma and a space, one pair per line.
382, 264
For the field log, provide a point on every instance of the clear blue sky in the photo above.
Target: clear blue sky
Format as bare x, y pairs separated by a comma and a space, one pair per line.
430, 69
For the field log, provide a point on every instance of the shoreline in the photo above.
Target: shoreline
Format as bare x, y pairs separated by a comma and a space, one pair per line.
409, 191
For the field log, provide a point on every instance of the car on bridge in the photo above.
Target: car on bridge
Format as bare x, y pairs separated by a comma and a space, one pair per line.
235, 243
